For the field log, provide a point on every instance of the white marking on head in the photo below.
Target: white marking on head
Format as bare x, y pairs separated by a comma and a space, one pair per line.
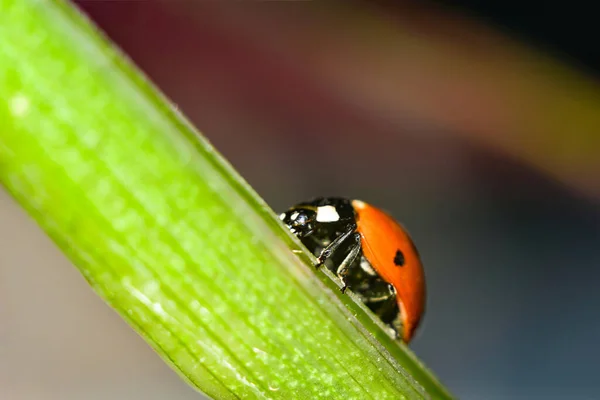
327, 214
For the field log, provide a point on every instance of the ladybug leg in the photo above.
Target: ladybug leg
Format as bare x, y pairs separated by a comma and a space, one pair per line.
342, 270
388, 304
333, 246
380, 294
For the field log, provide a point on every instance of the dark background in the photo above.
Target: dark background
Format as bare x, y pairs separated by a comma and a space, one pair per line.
510, 241
566, 29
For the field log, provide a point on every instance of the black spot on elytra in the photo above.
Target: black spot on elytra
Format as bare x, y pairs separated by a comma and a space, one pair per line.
399, 258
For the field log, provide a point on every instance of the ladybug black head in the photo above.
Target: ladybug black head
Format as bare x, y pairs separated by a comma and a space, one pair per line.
300, 221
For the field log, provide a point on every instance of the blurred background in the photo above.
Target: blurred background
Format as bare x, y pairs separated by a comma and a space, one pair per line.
475, 125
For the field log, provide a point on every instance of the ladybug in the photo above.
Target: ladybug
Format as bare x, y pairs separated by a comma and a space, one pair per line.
371, 254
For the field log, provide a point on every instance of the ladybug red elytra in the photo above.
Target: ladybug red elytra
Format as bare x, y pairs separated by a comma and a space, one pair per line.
369, 251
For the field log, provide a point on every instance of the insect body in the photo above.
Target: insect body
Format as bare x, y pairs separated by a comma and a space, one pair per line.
371, 254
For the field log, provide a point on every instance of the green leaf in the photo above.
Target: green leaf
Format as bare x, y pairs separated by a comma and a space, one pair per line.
169, 234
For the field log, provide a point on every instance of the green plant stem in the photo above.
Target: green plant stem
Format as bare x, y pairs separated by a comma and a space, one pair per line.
168, 234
